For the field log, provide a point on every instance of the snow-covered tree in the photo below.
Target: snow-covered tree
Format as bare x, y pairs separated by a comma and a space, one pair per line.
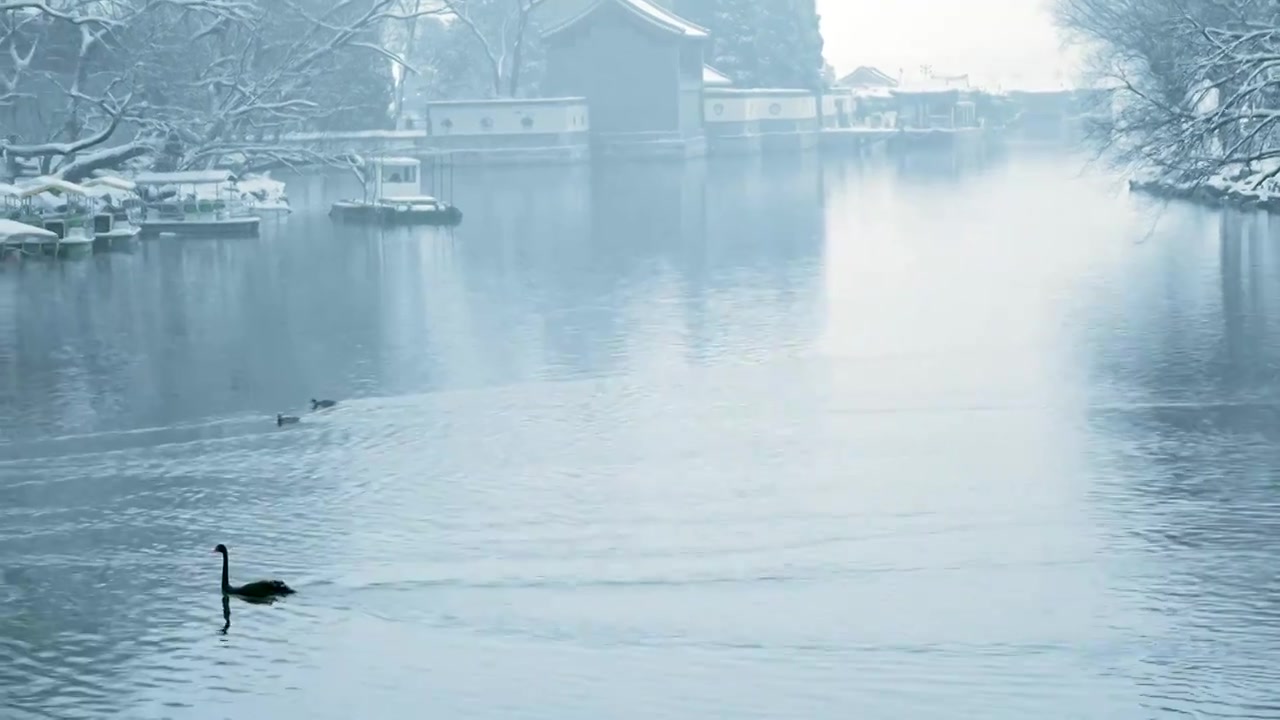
735, 29
95, 83
1198, 80
762, 43
481, 48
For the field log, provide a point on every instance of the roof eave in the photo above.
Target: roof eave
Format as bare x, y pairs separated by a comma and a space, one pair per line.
659, 23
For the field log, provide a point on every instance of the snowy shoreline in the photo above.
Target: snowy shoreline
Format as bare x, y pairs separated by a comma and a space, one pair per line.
1254, 188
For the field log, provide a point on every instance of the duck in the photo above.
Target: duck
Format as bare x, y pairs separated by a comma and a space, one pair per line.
286, 419
318, 404
259, 590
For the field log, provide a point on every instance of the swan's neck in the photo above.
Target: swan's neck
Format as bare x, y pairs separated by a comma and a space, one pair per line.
226, 575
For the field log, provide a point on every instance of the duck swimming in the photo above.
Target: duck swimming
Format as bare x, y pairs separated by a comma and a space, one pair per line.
259, 590
286, 419
318, 404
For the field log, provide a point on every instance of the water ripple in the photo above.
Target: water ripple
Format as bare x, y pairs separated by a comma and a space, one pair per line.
796, 450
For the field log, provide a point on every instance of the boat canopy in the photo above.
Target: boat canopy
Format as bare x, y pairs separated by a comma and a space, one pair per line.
13, 230
111, 181
104, 191
50, 185
417, 199
187, 177
397, 161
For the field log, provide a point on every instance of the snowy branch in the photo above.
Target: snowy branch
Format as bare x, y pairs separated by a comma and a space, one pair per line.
202, 77
1202, 79
502, 47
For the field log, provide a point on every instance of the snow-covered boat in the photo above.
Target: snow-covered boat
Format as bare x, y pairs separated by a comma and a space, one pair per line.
29, 239
117, 209
408, 210
16, 237
112, 228
63, 208
195, 203
396, 198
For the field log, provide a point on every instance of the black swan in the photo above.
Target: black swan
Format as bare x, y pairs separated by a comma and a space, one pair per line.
258, 590
317, 404
286, 419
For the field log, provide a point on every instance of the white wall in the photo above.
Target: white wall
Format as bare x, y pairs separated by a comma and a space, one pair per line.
734, 108
748, 105
508, 117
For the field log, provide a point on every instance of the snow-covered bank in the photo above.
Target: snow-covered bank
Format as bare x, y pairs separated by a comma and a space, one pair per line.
1256, 186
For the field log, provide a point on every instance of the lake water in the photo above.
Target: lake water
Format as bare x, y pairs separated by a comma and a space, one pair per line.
769, 439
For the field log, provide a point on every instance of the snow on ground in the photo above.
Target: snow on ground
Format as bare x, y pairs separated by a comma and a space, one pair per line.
1253, 184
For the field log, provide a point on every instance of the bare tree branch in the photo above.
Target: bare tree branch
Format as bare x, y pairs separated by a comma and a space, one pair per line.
205, 79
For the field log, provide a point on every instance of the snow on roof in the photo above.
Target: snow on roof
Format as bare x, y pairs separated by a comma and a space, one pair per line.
397, 161
111, 182
12, 230
48, 184
764, 92
425, 199
928, 81
9, 190
867, 76
188, 177
1032, 83
498, 102
105, 191
712, 76
644, 9
873, 92
934, 85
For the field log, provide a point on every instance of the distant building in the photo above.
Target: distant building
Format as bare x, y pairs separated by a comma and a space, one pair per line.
1056, 114
867, 77
936, 102
641, 69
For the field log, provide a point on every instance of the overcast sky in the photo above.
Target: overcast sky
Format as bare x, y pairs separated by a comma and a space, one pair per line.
1012, 40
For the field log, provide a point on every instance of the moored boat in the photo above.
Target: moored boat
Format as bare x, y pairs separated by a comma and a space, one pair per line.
117, 209
63, 208
395, 198
194, 203
413, 210
112, 228
24, 239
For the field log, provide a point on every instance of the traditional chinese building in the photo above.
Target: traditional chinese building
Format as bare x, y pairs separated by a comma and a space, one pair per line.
936, 102
866, 76
640, 68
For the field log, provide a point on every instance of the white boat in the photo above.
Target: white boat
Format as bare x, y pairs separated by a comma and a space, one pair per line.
14, 234
395, 198
29, 239
113, 227
197, 202
66, 212
118, 207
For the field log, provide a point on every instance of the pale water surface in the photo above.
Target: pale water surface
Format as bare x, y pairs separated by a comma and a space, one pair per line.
773, 439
